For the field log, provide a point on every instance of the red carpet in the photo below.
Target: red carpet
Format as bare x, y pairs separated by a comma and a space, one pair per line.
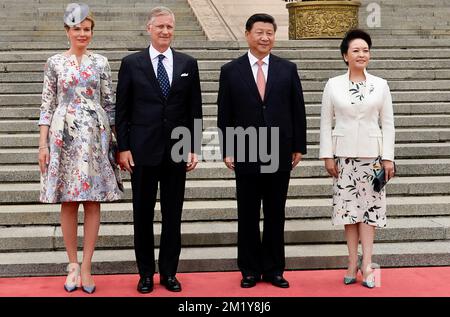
395, 282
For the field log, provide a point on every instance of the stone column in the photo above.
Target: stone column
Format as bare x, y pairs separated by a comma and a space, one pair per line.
315, 19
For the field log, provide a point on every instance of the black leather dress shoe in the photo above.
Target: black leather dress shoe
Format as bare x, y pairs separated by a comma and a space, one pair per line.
145, 284
171, 283
249, 281
277, 280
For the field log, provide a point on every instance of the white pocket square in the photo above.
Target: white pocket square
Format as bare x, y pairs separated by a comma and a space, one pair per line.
184, 74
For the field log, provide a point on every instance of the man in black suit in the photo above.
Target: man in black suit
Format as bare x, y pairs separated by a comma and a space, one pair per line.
260, 92
158, 91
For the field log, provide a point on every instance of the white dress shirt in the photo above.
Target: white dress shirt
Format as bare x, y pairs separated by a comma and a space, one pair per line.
167, 62
254, 65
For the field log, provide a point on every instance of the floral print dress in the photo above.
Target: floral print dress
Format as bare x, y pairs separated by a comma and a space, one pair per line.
78, 106
354, 199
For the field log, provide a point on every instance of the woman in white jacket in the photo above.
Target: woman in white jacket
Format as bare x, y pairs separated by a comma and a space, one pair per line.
356, 149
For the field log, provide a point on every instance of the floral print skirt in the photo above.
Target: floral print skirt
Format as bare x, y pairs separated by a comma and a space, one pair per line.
82, 166
354, 199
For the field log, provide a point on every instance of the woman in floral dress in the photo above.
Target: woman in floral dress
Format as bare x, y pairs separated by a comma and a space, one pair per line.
76, 156
356, 149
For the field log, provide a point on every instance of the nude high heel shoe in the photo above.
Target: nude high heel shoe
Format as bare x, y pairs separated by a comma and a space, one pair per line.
73, 279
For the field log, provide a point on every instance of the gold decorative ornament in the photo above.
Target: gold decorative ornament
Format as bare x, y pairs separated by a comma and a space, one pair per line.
315, 19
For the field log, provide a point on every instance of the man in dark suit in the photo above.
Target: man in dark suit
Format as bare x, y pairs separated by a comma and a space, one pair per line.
260, 92
158, 91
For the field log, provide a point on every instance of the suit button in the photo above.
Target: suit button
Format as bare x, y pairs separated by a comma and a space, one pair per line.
164, 120
264, 107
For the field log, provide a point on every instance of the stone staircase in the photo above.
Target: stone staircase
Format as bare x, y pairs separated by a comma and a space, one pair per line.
116, 20
408, 19
418, 230
399, 19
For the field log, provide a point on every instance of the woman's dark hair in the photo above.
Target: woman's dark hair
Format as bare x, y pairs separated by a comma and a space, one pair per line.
260, 17
352, 35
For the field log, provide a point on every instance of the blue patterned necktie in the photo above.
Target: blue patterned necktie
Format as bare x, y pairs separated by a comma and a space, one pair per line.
163, 78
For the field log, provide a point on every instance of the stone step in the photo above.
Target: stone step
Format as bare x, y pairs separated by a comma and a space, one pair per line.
221, 233
308, 256
185, 17
102, 34
404, 46
401, 22
420, 33
314, 79
318, 85
220, 210
388, 74
110, 13
396, 4
211, 60
194, 35
313, 109
20, 112
217, 170
49, 12
210, 137
439, 120
414, 109
34, 70
182, 17
218, 50
402, 151
400, 5
112, 26
57, 35
400, 108
97, 2
403, 135
423, 34
11, 193
32, 83
425, 13
26, 99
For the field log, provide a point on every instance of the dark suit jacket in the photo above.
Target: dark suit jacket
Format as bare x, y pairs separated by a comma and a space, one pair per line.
240, 105
144, 118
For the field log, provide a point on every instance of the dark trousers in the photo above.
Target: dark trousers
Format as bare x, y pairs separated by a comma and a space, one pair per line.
256, 257
144, 181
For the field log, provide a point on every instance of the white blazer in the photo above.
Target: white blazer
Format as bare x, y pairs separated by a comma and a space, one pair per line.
357, 132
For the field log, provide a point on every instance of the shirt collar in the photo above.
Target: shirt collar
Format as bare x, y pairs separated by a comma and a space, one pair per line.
254, 59
154, 53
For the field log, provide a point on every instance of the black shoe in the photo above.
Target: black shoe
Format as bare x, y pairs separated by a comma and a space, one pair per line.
171, 283
277, 280
249, 281
145, 284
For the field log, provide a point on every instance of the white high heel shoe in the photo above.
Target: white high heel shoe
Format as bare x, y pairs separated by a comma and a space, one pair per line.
73, 280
